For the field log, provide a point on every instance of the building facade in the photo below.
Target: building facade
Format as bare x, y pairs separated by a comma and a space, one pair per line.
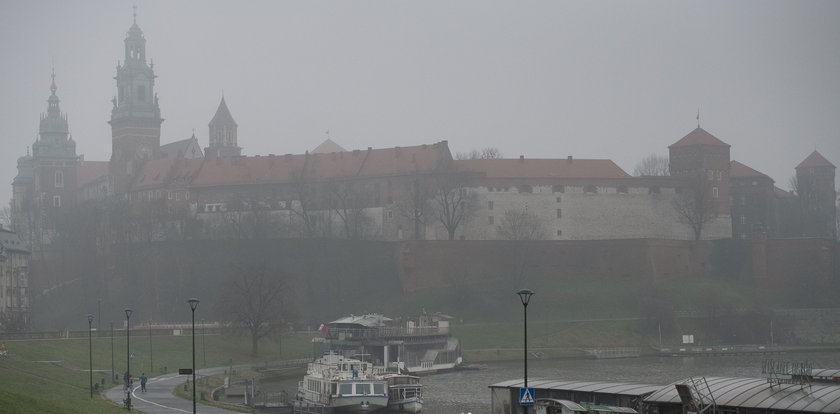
14, 282
415, 192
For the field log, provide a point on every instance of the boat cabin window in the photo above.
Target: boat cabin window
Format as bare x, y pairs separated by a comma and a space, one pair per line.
363, 389
345, 389
379, 388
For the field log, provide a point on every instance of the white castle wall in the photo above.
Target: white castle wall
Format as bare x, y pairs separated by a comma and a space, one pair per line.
607, 214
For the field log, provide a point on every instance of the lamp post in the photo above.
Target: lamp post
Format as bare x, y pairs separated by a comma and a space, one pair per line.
112, 353
193, 304
128, 312
203, 344
525, 297
90, 351
151, 355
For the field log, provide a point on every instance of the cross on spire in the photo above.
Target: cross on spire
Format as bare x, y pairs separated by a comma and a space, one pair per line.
135, 13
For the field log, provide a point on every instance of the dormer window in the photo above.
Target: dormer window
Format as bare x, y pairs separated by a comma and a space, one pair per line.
59, 179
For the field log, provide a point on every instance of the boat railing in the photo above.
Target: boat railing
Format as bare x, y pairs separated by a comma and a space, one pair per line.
385, 332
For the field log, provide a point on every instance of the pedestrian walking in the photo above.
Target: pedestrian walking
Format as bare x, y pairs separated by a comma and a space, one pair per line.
143, 380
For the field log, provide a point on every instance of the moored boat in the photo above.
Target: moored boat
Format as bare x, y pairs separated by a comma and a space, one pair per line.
405, 393
344, 384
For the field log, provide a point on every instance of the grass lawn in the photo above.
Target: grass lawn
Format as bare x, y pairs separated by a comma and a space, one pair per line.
51, 376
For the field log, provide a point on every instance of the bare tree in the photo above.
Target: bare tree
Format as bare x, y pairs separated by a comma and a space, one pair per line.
695, 206
348, 199
248, 216
303, 207
485, 154
255, 298
652, 165
453, 201
6, 217
415, 206
520, 225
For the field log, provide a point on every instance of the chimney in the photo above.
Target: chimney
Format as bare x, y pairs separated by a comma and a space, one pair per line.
569, 158
521, 158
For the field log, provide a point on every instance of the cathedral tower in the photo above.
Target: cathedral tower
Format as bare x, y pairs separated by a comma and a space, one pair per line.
223, 139
47, 180
135, 118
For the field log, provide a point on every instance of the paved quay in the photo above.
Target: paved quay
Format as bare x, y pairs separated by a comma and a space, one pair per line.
159, 397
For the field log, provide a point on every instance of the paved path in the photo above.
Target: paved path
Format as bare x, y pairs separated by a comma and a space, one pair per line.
159, 399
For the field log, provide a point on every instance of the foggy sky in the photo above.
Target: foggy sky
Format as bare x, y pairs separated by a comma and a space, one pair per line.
543, 79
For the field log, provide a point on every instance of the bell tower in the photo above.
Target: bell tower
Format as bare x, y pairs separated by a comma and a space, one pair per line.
135, 117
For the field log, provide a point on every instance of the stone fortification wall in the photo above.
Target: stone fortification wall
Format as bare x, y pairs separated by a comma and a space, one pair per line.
429, 264
588, 213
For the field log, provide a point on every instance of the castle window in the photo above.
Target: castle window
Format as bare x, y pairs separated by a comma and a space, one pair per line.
490, 220
186, 195
390, 214
710, 175
714, 192
59, 179
720, 175
589, 188
557, 188
489, 205
559, 213
743, 220
169, 195
558, 199
559, 232
57, 201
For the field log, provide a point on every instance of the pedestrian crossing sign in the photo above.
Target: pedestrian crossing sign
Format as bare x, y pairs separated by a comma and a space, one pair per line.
526, 396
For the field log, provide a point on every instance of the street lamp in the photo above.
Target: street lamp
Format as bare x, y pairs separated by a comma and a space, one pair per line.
128, 312
193, 304
90, 352
525, 297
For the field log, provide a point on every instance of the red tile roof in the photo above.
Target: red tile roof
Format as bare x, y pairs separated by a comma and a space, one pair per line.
699, 137
539, 168
815, 160
154, 174
283, 168
782, 193
89, 171
738, 170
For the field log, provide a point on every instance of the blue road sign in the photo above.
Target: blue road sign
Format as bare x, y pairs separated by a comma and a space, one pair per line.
526, 396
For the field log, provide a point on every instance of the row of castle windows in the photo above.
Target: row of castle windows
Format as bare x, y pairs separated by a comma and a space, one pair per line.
587, 189
158, 194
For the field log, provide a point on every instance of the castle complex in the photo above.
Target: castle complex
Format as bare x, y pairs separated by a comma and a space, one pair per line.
151, 192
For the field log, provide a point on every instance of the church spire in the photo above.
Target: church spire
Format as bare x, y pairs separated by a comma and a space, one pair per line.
223, 135
53, 130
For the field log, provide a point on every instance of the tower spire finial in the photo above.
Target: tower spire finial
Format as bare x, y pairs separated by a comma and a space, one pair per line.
698, 117
135, 13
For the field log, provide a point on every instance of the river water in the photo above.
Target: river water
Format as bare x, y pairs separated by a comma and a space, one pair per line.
467, 391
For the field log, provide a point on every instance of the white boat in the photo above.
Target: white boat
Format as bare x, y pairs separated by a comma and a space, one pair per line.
344, 384
405, 393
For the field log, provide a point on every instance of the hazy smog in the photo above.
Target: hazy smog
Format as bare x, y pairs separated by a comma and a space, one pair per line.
448, 207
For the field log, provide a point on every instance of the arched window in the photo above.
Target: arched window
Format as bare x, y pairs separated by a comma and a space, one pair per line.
59, 179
